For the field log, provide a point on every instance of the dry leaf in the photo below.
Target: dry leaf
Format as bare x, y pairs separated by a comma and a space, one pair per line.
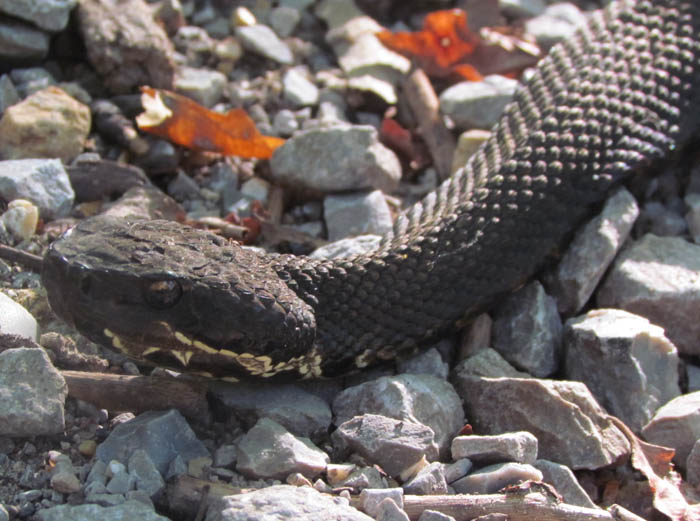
444, 42
187, 123
654, 461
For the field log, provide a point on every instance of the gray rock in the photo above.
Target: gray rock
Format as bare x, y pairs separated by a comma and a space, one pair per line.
367, 56
195, 43
371, 499
357, 214
477, 104
660, 220
162, 434
297, 410
590, 253
262, 40
31, 79
64, 477
421, 399
692, 465
394, 445
283, 502
141, 496
565, 482
527, 330
348, 247
456, 470
522, 8
32, 394
627, 363
8, 93
20, 41
284, 20
202, 85
298, 89
557, 23
127, 510
335, 159
120, 483
692, 201
268, 450
425, 362
16, 320
520, 447
41, 181
487, 362
656, 277
103, 500
285, 123
51, 15
693, 372
225, 455
430, 480
434, 515
97, 473
145, 474
676, 425
364, 478
125, 44
4, 515
570, 426
493, 478
389, 511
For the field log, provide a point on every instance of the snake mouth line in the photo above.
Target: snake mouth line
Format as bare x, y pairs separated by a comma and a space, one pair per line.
180, 352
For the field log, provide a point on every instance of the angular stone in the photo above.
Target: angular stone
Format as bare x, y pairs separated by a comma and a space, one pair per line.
590, 253
676, 425
16, 320
357, 214
421, 399
269, 451
205, 86
262, 40
41, 181
21, 41
564, 481
126, 510
49, 123
692, 465
394, 445
570, 426
336, 159
527, 330
430, 480
145, 474
298, 89
487, 362
51, 15
300, 412
125, 44
370, 499
297, 503
162, 434
347, 247
32, 394
656, 277
627, 363
493, 478
389, 511
520, 447
477, 104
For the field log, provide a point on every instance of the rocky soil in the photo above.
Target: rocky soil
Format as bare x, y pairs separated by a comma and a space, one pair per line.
522, 394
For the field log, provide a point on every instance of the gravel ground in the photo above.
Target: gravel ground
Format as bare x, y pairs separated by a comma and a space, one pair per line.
520, 394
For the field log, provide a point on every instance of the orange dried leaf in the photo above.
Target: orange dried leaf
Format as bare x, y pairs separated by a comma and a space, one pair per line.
187, 123
444, 42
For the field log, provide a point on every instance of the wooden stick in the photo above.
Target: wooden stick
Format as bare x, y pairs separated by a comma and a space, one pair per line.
425, 106
139, 393
185, 494
26, 259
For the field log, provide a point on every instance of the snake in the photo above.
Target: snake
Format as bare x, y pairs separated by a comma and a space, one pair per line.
611, 102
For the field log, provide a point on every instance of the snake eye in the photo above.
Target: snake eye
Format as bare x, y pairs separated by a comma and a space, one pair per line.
162, 294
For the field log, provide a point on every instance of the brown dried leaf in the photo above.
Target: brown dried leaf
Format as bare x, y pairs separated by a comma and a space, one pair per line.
187, 123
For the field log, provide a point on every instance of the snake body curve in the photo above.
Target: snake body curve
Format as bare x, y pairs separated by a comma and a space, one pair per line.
620, 94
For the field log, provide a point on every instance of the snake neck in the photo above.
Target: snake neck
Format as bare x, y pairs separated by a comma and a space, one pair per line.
604, 104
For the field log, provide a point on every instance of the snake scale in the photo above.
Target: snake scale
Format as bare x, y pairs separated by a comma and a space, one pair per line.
619, 95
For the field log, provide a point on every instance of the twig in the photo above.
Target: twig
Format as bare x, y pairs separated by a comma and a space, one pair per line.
26, 259
185, 495
425, 106
139, 393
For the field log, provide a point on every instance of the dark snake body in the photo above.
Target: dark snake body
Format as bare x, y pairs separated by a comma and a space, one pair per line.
623, 92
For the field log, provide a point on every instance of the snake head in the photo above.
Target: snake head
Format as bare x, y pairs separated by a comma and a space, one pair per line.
171, 295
